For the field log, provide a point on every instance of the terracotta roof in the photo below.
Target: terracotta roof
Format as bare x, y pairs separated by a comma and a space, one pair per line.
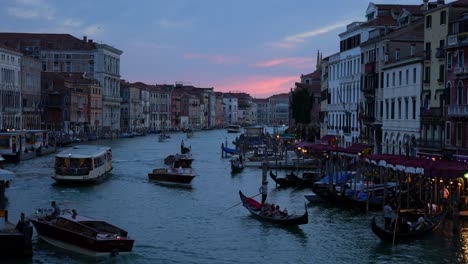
313, 75
282, 95
8, 48
45, 41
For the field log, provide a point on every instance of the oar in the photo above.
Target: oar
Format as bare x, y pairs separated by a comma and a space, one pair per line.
241, 201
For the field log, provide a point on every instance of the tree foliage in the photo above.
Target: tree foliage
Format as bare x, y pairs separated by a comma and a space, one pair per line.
301, 106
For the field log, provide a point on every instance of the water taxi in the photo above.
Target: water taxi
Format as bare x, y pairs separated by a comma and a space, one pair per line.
84, 163
81, 234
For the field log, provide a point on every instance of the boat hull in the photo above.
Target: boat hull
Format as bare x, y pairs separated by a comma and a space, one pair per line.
16, 244
390, 235
80, 243
171, 177
290, 220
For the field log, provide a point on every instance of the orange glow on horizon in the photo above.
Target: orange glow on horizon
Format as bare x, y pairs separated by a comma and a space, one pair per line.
259, 86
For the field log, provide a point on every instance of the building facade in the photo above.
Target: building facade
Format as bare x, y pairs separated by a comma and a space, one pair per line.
10, 89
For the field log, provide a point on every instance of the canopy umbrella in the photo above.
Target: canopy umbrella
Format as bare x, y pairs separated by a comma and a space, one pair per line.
6, 175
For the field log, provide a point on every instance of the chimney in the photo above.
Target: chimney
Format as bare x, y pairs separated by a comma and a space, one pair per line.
85, 38
440, 2
425, 5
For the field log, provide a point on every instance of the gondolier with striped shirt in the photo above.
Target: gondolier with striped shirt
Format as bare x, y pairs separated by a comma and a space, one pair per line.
264, 191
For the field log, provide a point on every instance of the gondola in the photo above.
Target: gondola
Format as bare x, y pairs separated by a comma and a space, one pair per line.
254, 208
288, 181
236, 164
389, 235
292, 180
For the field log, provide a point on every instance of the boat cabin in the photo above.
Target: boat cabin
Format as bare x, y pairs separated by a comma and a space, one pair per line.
84, 162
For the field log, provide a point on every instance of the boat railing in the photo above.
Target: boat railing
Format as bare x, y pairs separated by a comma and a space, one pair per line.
72, 171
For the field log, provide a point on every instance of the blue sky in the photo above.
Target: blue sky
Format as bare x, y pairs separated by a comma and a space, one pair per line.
259, 47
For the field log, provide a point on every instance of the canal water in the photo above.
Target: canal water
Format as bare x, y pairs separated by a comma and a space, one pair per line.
197, 225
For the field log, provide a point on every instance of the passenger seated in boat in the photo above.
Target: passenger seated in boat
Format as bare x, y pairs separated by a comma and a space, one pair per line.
277, 211
74, 213
180, 170
403, 226
285, 212
420, 223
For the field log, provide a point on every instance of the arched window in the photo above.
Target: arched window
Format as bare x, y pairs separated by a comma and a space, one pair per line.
460, 93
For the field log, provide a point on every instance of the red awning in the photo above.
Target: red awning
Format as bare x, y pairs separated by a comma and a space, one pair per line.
327, 139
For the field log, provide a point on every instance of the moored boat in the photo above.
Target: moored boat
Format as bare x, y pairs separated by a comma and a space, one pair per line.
81, 234
84, 163
254, 207
234, 129
172, 175
399, 235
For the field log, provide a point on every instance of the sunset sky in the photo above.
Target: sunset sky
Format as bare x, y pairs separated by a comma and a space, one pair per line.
259, 47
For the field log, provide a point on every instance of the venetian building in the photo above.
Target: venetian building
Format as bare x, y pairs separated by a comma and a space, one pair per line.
31, 93
456, 88
10, 89
106, 68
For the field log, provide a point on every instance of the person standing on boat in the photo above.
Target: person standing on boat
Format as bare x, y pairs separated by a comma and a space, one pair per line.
22, 223
55, 210
388, 214
264, 191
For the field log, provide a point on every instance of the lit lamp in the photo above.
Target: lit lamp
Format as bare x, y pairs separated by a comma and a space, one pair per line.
466, 175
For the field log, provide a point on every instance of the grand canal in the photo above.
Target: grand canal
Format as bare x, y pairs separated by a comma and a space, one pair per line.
194, 225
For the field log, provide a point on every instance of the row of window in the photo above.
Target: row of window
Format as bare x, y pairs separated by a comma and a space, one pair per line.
403, 114
345, 68
442, 19
8, 76
400, 81
8, 58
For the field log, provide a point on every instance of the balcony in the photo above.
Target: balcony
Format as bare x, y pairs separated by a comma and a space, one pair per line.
433, 114
440, 53
456, 40
433, 144
427, 55
368, 119
457, 111
369, 68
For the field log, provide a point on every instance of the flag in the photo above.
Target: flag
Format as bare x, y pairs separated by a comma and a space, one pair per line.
427, 108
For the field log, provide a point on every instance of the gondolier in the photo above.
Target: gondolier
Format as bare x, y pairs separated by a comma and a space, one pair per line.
264, 191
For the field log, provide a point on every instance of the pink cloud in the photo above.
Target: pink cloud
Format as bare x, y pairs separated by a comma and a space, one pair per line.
259, 86
216, 59
293, 62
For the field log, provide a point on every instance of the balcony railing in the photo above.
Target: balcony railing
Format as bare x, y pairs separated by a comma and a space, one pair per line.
427, 55
368, 119
432, 112
458, 111
440, 53
437, 143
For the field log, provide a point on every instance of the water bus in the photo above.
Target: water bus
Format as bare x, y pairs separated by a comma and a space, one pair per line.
84, 163
16, 145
